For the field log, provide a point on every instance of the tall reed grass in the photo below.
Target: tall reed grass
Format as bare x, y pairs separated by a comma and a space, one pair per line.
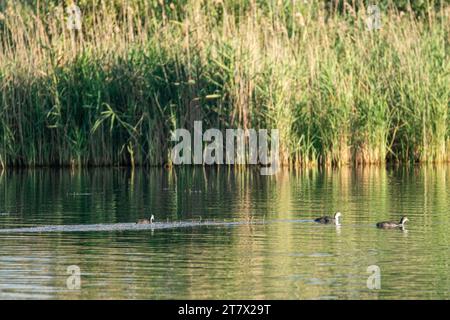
112, 93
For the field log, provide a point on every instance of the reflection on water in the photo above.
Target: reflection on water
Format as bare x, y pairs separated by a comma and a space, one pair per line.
290, 257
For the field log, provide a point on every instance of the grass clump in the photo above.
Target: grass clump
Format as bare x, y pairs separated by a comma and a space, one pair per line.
111, 93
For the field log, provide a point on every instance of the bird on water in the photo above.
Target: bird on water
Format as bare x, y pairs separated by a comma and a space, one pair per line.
330, 220
146, 221
392, 224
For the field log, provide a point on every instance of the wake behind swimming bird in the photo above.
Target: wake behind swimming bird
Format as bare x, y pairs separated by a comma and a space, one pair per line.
144, 224
121, 226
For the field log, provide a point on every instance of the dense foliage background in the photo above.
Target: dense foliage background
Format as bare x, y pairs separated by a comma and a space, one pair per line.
112, 92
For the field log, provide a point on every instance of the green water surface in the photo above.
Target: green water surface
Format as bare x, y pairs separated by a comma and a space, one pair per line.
286, 257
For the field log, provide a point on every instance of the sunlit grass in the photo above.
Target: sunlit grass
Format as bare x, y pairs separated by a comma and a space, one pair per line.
112, 93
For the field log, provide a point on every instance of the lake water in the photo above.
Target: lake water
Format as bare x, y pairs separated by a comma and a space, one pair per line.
280, 253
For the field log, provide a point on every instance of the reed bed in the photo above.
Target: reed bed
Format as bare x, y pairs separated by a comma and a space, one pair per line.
112, 93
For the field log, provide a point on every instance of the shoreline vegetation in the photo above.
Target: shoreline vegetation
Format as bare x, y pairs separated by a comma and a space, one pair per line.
112, 93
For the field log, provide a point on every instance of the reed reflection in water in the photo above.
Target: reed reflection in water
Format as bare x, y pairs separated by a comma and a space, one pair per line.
291, 257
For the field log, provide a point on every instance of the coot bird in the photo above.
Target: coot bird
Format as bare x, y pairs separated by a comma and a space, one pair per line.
392, 224
335, 220
146, 221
